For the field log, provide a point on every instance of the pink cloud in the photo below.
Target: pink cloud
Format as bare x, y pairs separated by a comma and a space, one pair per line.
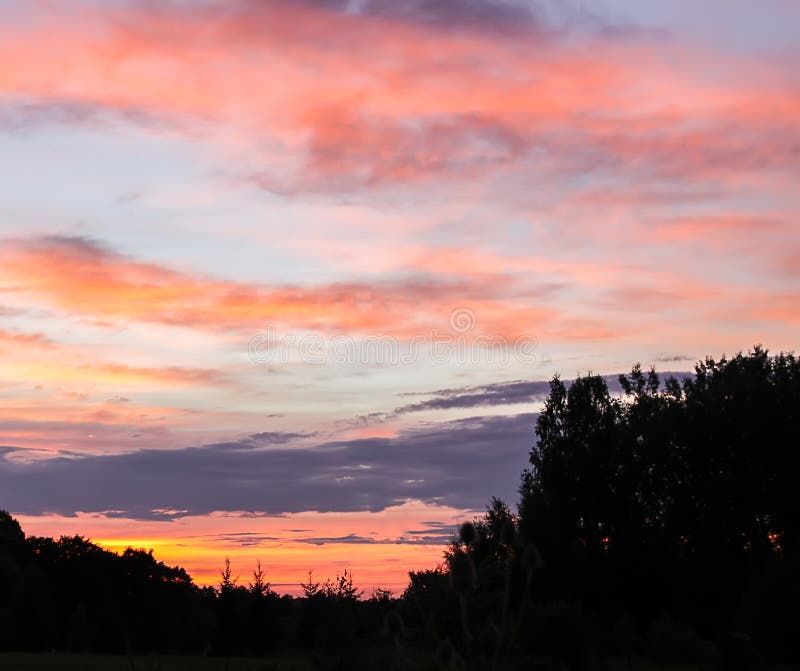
83, 278
336, 100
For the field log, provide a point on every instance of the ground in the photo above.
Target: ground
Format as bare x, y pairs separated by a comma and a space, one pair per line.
66, 662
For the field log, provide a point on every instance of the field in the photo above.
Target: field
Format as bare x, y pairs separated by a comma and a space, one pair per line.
66, 662
72, 662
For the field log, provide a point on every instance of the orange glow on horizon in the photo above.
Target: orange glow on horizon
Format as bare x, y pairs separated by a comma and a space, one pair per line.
287, 546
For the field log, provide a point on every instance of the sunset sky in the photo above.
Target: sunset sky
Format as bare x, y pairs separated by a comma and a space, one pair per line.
285, 280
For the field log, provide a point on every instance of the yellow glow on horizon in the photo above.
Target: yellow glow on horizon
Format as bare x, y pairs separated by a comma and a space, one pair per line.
287, 547
373, 565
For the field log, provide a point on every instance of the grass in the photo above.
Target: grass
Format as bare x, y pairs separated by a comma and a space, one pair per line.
71, 662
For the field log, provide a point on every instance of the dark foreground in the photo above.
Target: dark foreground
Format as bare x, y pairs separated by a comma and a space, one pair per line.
68, 662
71, 662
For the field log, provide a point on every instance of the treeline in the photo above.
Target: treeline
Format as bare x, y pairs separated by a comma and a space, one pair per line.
679, 499
69, 594
662, 523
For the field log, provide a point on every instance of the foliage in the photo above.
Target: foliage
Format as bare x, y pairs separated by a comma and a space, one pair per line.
665, 502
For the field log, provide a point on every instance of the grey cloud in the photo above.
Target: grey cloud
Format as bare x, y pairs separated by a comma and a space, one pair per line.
483, 15
25, 114
447, 15
500, 393
675, 358
413, 537
349, 538
504, 393
460, 463
542, 19
245, 539
355, 539
278, 437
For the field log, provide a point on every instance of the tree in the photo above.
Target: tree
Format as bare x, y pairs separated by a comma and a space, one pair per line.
259, 587
343, 588
311, 588
671, 495
10, 531
227, 582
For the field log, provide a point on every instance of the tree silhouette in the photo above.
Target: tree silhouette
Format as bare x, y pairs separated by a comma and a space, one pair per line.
671, 497
259, 587
227, 583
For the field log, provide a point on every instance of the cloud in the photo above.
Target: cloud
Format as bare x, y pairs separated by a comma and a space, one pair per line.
500, 393
24, 340
84, 277
278, 437
56, 370
120, 373
458, 464
41, 429
505, 393
718, 230
410, 538
442, 16
368, 151
26, 113
432, 533
244, 539
674, 358
498, 16
413, 91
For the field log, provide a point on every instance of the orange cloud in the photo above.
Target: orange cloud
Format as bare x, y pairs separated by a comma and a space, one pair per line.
720, 229
10, 340
510, 296
83, 278
110, 373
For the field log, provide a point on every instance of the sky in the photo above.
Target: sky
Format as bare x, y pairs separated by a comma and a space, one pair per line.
286, 280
